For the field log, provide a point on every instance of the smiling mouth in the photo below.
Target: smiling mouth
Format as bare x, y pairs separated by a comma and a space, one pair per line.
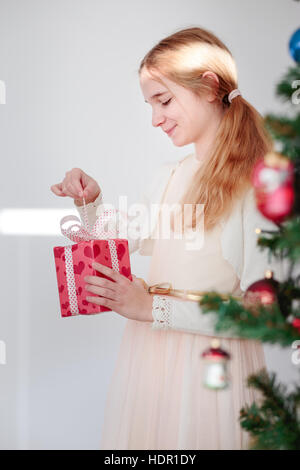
171, 130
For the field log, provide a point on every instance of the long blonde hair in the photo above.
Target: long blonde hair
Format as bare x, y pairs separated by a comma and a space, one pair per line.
241, 138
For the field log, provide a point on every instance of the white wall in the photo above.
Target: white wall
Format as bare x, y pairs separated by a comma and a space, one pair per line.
73, 99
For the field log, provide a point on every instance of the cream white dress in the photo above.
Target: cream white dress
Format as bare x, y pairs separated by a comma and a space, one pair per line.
156, 399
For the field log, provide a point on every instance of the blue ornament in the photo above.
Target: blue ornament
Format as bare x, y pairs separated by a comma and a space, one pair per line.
294, 46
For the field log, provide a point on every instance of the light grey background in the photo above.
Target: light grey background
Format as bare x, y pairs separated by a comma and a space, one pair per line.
73, 100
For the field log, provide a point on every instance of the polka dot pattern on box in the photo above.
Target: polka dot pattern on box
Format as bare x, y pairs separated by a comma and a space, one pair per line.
114, 255
71, 281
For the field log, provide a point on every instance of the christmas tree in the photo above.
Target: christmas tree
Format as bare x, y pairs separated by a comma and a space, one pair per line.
270, 310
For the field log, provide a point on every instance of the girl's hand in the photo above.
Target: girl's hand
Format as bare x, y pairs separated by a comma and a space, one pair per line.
77, 184
128, 298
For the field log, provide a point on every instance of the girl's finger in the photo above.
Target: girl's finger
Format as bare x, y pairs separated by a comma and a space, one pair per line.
89, 185
69, 189
57, 189
99, 281
77, 187
90, 189
102, 291
114, 306
114, 275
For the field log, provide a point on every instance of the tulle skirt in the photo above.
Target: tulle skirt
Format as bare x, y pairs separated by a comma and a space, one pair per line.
156, 399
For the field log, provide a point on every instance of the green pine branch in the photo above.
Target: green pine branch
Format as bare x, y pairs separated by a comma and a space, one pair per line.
286, 131
264, 323
273, 424
285, 242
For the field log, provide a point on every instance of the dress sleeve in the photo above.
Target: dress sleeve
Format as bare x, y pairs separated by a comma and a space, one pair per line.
184, 315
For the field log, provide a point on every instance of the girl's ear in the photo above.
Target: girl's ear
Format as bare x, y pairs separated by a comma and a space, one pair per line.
214, 77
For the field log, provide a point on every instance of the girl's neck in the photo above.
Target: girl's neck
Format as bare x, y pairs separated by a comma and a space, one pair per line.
204, 144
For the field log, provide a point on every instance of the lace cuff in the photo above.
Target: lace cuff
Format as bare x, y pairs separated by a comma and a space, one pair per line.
161, 312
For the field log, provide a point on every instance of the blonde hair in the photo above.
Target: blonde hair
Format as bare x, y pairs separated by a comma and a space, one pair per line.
241, 138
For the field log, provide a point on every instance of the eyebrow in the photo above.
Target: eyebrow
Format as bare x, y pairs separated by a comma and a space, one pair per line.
157, 94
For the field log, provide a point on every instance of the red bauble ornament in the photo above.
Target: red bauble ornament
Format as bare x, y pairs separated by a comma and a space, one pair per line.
296, 324
262, 292
273, 181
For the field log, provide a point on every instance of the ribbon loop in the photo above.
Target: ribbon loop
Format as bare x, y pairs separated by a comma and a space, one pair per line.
78, 232
162, 288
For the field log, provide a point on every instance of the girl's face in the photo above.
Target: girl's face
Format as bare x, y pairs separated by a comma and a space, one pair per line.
177, 108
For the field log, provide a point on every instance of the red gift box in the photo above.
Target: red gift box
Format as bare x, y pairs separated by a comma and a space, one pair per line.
74, 263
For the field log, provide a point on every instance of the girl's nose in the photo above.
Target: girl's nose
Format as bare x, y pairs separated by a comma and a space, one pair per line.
157, 119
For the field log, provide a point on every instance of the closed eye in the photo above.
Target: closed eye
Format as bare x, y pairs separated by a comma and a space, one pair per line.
166, 102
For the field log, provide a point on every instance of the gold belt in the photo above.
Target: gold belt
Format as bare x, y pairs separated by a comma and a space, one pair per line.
165, 288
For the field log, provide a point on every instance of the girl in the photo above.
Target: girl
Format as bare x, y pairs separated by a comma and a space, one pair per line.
156, 399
